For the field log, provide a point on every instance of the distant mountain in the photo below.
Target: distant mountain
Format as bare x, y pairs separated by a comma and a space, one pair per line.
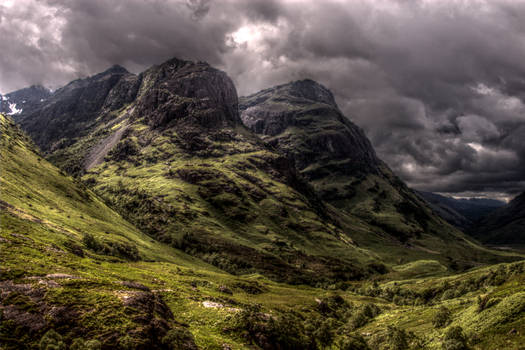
461, 212
23, 101
504, 226
440, 205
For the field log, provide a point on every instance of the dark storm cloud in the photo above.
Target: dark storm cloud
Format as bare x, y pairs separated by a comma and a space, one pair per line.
438, 86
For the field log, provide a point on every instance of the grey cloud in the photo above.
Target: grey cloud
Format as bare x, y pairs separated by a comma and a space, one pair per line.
438, 86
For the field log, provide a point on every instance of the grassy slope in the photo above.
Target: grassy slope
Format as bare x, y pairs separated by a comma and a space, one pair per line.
227, 195
35, 226
500, 325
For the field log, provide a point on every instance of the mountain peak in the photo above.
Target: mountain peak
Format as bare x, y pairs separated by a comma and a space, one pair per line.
302, 118
306, 91
116, 69
191, 93
311, 90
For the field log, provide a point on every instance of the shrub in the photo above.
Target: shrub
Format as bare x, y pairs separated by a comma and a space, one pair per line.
74, 248
455, 339
364, 316
484, 302
352, 342
448, 294
269, 332
333, 305
442, 318
325, 333
52, 341
126, 251
80, 344
179, 338
397, 338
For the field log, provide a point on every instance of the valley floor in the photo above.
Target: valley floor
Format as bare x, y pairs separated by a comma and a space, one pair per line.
123, 303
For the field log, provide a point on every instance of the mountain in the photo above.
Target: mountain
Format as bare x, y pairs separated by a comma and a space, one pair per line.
180, 226
504, 226
72, 111
23, 101
168, 150
461, 212
309, 203
443, 207
302, 121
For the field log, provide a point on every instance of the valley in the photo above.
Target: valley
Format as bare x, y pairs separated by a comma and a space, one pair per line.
160, 211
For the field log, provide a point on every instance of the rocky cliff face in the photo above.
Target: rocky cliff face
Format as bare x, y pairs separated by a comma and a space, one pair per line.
324, 138
72, 110
182, 92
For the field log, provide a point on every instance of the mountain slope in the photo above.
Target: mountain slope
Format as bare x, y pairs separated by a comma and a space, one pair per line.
61, 252
504, 226
302, 120
441, 205
461, 212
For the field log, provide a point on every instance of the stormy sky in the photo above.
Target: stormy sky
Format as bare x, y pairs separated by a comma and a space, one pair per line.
437, 85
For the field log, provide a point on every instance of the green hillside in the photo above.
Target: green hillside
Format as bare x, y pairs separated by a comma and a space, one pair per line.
152, 218
59, 289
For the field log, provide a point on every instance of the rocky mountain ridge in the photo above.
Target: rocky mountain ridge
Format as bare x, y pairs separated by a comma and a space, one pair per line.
171, 225
24, 100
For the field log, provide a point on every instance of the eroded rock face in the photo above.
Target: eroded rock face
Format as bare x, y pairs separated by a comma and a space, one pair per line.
70, 111
302, 119
190, 93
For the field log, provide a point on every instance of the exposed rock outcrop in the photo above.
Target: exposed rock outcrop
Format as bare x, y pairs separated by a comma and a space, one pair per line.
185, 92
72, 111
325, 137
